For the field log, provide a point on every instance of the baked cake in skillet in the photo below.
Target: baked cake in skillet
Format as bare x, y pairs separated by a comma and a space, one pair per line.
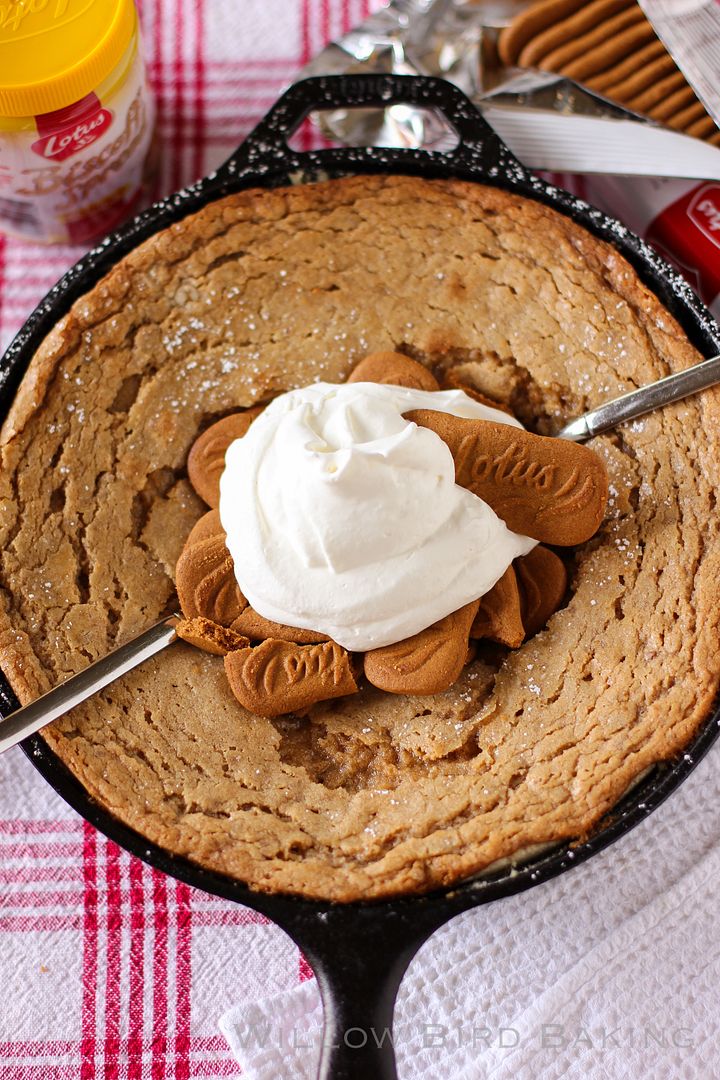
374, 794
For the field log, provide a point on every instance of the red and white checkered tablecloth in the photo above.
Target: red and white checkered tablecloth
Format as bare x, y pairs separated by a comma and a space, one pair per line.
108, 969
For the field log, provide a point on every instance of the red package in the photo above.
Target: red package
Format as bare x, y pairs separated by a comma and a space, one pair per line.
679, 218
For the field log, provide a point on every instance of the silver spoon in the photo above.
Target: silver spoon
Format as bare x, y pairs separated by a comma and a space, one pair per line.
642, 401
63, 697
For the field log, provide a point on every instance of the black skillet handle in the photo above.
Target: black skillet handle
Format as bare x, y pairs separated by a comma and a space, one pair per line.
359, 953
266, 153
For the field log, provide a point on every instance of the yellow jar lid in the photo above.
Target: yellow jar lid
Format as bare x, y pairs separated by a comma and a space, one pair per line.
54, 52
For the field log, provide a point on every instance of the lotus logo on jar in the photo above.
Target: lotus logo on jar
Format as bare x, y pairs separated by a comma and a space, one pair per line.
64, 141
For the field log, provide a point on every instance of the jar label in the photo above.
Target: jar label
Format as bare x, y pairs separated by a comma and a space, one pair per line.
66, 139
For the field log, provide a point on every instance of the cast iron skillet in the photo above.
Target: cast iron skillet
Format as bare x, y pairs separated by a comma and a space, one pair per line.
360, 951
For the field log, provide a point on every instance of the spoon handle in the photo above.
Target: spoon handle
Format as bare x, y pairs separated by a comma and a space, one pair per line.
644, 400
30, 718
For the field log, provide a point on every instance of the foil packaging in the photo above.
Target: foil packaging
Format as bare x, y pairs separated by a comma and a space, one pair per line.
637, 170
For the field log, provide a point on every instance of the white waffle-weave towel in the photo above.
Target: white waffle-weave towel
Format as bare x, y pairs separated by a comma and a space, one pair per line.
610, 971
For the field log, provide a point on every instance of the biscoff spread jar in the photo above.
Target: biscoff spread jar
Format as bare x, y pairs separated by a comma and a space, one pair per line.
76, 118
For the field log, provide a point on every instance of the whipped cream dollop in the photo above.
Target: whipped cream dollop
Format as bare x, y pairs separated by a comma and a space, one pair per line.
344, 517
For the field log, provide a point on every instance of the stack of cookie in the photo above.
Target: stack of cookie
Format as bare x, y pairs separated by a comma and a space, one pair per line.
610, 47
551, 490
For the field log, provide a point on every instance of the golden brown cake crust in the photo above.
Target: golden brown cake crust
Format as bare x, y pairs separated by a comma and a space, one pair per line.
375, 794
